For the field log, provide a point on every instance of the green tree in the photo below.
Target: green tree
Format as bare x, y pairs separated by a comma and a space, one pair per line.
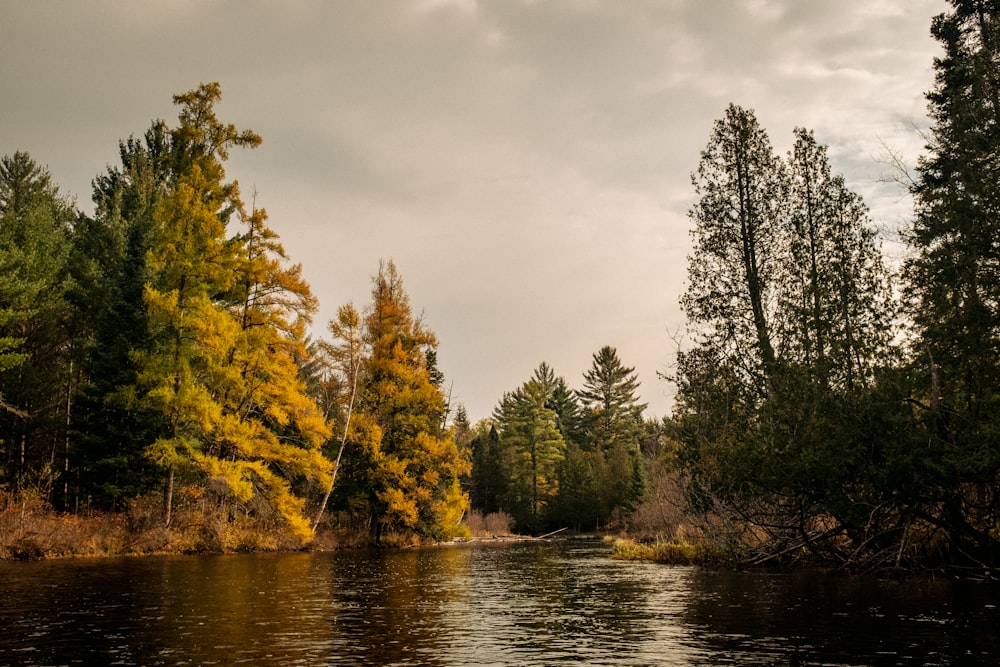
533, 448
576, 503
612, 410
563, 401
952, 281
35, 343
787, 270
488, 478
111, 427
739, 217
835, 308
613, 426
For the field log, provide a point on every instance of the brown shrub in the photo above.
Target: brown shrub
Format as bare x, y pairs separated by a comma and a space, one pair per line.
30, 528
662, 514
494, 524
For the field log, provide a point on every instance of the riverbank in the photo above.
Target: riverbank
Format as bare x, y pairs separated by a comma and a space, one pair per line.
30, 529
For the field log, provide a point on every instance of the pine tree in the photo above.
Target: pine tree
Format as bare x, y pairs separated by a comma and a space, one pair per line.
488, 477
533, 448
613, 411
35, 334
111, 428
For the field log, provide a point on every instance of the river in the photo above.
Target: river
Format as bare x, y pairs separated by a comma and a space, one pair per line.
513, 604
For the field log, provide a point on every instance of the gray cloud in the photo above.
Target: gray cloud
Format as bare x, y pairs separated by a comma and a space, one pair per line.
527, 164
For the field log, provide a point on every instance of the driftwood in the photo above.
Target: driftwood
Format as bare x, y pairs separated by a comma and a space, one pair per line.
554, 532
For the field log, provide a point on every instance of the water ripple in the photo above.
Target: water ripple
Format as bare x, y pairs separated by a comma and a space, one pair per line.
521, 604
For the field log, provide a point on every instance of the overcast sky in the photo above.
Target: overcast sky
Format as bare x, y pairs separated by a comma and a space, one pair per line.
525, 163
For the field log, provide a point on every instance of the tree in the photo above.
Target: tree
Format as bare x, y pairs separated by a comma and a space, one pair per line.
613, 424
226, 319
35, 342
533, 448
577, 501
109, 268
952, 280
406, 464
612, 409
793, 317
739, 217
343, 361
835, 308
488, 478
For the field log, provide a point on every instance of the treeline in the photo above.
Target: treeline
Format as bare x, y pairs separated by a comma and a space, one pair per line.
819, 413
552, 457
159, 349
156, 363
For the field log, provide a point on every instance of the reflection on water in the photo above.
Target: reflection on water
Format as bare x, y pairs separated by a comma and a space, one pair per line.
521, 604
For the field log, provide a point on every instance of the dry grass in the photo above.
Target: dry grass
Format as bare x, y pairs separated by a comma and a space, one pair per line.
670, 553
30, 529
202, 523
663, 515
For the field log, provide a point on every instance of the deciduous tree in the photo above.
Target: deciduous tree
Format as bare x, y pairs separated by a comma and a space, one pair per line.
407, 465
227, 318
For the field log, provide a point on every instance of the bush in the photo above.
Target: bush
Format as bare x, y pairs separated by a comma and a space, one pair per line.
494, 524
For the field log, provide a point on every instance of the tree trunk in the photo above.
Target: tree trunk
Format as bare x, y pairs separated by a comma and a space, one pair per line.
168, 497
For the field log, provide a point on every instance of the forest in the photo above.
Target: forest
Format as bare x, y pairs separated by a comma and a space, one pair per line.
162, 379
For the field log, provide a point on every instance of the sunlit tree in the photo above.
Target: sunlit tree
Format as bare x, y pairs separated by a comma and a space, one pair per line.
406, 466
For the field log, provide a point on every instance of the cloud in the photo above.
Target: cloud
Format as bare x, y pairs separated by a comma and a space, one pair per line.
527, 164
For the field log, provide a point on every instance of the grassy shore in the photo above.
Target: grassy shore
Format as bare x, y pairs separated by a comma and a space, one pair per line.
31, 530
667, 552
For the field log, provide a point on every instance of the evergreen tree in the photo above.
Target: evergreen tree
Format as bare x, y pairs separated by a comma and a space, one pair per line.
488, 478
577, 502
111, 427
612, 409
793, 321
35, 342
835, 308
533, 448
613, 425
952, 281
739, 217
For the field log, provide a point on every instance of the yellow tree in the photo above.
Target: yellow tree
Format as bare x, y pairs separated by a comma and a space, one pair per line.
227, 318
409, 462
341, 362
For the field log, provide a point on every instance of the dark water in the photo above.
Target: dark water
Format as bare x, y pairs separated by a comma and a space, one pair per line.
523, 604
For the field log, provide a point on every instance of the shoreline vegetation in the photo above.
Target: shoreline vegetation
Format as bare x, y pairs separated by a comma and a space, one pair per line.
31, 529
664, 552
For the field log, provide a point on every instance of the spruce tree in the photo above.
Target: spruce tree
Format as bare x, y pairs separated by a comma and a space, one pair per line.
952, 281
